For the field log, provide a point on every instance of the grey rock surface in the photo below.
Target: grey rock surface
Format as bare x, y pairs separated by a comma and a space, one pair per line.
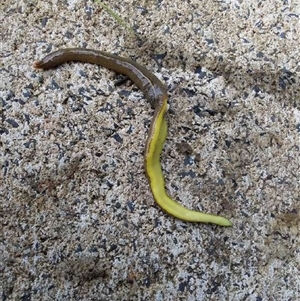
78, 218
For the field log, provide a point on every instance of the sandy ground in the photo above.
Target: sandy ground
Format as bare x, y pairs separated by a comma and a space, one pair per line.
78, 218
